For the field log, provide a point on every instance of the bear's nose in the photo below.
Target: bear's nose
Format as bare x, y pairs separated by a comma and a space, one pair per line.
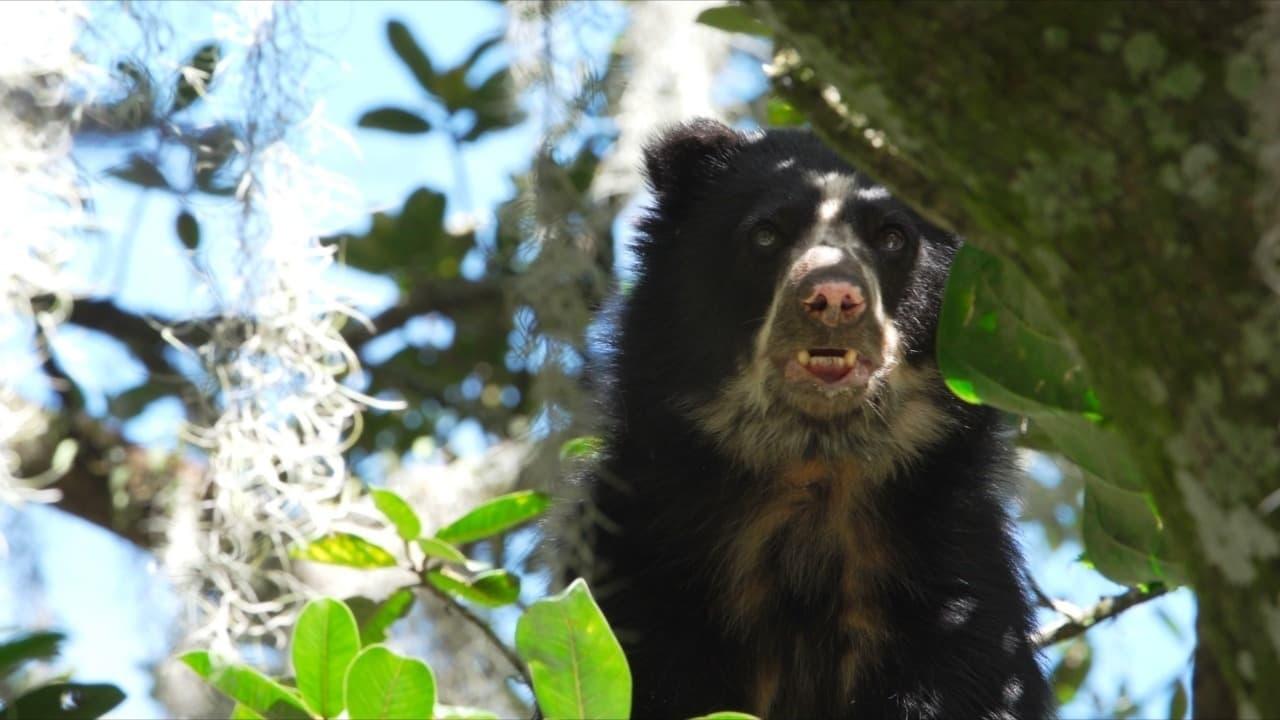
835, 302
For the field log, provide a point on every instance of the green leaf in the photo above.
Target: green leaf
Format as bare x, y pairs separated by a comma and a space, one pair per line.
1178, 703
395, 120
577, 666
1000, 344
733, 18
195, 76
39, 645
141, 172
493, 102
382, 684
241, 712
451, 86
1120, 541
188, 230
346, 549
422, 212
495, 516
374, 618
133, 401
478, 52
325, 641
1072, 670
491, 588
411, 54
583, 446
441, 550
462, 712
64, 701
247, 686
406, 521
781, 113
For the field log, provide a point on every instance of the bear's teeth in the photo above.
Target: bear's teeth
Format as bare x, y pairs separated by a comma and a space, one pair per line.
849, 359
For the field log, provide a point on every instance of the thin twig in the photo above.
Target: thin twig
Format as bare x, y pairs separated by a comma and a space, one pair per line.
1066, 628
484, 627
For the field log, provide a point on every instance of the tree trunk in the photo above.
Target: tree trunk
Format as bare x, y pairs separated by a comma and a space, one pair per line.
1125, 156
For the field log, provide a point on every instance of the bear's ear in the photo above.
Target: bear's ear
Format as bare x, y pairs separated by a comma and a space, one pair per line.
682, 155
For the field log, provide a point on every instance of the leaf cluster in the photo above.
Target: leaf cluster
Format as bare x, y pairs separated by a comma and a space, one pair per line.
467, 109
61, 699
564, 647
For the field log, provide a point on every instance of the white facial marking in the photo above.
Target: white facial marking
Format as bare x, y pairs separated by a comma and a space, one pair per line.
784, 164
829, 209
871, 193
833, 184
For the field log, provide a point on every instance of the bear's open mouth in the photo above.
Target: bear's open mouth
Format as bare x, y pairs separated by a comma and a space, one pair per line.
833, 366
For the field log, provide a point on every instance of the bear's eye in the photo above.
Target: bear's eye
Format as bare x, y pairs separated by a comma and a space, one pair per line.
765, 236
892, 239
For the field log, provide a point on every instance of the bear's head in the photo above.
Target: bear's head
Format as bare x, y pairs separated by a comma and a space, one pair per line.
783, 298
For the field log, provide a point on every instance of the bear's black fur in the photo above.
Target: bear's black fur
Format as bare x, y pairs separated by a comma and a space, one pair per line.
772, 535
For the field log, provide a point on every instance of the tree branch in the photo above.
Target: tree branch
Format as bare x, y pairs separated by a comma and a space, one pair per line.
139, 333
512, 658
444, 296
1068, 627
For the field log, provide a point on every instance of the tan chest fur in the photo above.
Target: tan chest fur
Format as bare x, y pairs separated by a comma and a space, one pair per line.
814, 522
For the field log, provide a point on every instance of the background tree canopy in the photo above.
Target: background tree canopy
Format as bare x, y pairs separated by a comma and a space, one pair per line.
296, 302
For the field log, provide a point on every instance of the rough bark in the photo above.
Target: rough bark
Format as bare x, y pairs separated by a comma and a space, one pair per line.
1122, 155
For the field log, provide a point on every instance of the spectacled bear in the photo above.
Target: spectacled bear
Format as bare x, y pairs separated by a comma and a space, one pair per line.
793, 516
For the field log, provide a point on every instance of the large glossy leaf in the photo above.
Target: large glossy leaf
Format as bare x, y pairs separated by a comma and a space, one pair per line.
64, 701
399, 512
382, 684
325, 641
999, 343
577, 666
247, 686
495, 516
491, 588
39, 645
346, 549
1120, 541
411, 54
374, 618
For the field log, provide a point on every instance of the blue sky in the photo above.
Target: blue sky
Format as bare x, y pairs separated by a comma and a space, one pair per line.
104, 593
